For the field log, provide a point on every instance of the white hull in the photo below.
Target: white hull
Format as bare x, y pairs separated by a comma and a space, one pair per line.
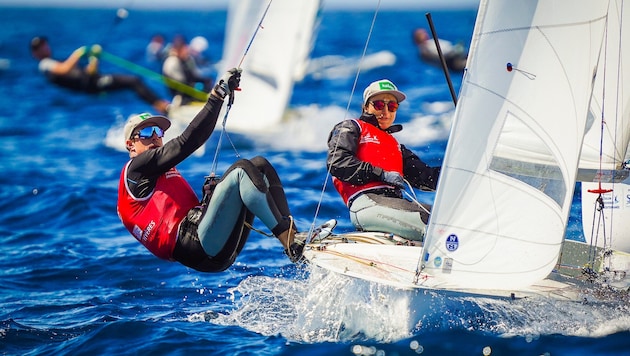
378, 258
505, 189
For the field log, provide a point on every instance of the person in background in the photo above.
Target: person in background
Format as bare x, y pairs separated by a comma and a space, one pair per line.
69, 74
454, 55
198, 46
369, 167
181, 67
157, 50
161, 210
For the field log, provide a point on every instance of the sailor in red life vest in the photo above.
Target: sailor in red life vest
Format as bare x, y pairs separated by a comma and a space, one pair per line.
160, 209
369, 167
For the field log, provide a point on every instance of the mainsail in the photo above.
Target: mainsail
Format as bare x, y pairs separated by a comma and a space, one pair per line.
508, 175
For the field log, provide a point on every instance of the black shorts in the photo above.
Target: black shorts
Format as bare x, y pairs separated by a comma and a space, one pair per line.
189, 252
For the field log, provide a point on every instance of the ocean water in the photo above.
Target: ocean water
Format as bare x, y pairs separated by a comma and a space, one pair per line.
73, 281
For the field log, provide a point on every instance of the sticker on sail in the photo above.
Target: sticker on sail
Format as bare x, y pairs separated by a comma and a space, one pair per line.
448, 265
452, 242
437, 262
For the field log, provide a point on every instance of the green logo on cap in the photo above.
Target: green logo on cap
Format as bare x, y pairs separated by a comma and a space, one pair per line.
144, 116
386, 85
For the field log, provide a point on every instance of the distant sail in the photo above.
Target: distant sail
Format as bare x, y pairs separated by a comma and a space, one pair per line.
608, 137
277, 57
610, 102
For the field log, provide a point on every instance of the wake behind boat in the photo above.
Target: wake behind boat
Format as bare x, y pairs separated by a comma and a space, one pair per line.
505, 190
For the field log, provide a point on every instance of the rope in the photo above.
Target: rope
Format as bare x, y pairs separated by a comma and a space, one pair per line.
171, 83
231, 98
249, 226
367, 261
121, 14
599, 224
413, 197
215, 160
290, 237
291, 240
255, 33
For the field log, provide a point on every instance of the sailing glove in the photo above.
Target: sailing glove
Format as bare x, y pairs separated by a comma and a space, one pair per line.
228, 83
95, 51
81, 51
393, 178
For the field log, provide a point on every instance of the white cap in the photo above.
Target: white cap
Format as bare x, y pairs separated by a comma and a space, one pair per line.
382, 86
198, 44
145, 119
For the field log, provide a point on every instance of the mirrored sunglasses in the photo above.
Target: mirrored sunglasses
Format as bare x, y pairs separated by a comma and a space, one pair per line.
148, 132
392, 106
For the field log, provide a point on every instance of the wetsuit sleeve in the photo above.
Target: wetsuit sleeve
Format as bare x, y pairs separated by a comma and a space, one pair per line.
144, 169
342, 161
419, 174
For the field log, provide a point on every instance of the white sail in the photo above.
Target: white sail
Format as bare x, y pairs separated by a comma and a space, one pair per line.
277, 57
507, 179
608, 124
605, 148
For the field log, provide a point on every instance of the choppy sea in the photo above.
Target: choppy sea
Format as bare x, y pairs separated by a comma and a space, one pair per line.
73, 281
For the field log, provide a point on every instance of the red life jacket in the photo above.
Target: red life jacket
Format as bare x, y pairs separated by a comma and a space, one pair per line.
154, 220
379, 148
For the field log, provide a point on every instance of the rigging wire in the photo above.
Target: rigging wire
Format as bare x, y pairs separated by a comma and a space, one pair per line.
148, 73
598, 208
354, 86
231, 99
255, 33
618, 115
599, 224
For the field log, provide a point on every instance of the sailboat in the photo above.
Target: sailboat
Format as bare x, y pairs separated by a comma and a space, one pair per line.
274, 61
505, 190
603, 169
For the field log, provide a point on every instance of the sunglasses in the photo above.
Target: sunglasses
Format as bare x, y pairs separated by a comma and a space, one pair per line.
392, 106
148, 132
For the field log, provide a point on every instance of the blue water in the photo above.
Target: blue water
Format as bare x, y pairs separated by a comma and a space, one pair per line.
73, 281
